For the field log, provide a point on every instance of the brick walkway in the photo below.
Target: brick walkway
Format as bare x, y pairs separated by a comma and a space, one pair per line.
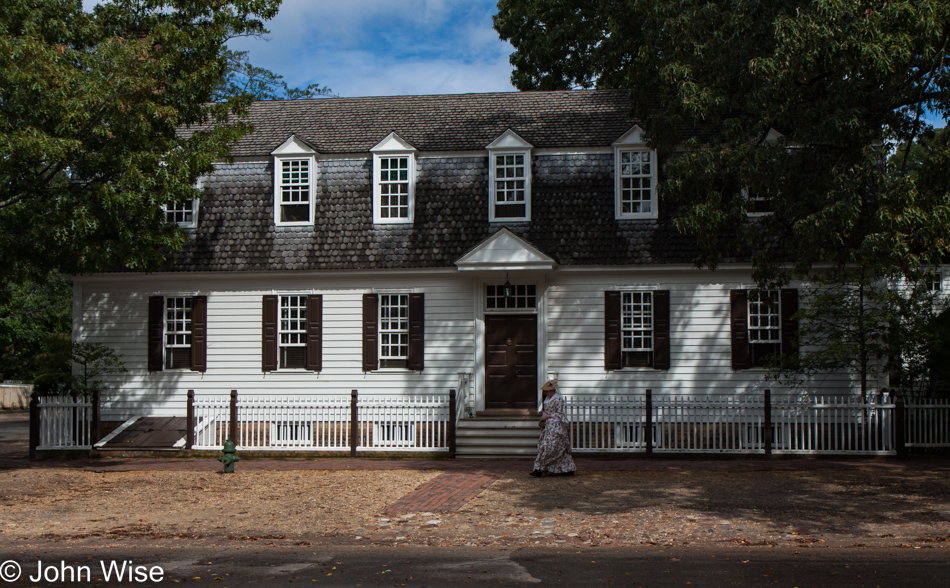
445, 493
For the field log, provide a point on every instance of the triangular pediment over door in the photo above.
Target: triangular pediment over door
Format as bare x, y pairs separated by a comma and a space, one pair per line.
505, 251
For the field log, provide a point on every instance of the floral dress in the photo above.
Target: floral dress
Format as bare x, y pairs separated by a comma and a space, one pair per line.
554, 446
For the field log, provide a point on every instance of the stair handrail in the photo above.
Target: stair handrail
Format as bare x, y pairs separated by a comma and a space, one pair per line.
461, 398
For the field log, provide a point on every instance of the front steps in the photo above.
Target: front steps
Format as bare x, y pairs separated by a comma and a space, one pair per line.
497, 437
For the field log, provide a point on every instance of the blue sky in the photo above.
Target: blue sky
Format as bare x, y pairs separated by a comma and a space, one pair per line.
385, 47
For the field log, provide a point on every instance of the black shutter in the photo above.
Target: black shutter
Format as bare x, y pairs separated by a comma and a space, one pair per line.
199, 333
739, 301
314, 332
789, 306
417, 315
661, 329
269, 332
612, 330
156, 321
370, 332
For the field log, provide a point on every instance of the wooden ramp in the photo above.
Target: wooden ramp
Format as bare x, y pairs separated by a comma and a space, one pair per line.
146, 433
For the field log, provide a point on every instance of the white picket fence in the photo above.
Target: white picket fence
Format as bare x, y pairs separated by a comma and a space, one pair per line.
731, 424
65, 423
927, 423
323, 423
677, 424
413, 423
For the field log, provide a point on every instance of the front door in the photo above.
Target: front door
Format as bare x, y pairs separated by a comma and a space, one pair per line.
511, 362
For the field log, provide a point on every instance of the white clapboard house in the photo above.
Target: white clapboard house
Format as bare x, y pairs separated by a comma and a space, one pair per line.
405, 246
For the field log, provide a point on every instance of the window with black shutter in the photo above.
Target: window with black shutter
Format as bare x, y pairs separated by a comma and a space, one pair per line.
393, 331
177, 333
637, 329
292, 332
762, 326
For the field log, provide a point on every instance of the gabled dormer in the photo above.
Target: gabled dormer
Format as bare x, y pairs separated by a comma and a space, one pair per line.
394, 180
509, 165
295, 182
635, 174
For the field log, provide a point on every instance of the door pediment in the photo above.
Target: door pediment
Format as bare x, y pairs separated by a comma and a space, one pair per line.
507, 252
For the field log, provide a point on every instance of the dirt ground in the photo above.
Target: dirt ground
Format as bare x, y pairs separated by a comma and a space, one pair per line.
790, 509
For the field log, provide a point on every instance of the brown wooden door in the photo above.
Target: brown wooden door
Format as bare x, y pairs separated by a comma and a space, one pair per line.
511, 361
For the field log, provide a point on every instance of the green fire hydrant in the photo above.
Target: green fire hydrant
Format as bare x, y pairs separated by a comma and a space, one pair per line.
229, 459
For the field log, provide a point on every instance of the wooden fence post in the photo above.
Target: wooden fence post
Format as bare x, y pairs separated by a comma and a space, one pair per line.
900, 443
34, 423
96, 417
232, 429
451, 424
767, 432
190, 421
354, 424
649, 427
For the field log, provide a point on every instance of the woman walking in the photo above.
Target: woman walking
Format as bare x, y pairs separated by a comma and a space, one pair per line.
554, 446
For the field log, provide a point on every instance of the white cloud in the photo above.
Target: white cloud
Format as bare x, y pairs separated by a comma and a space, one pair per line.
360, 73
385, 47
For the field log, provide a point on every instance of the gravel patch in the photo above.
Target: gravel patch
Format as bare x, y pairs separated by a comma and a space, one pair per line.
786, 509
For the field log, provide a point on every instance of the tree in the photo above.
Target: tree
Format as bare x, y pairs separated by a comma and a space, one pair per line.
30, 311
91, 105
791, 106
871, 328
793, 102
244, 78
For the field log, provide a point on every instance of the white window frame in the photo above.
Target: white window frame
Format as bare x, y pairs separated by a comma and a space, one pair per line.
192, 210
298, 335
508, 144
630, 330
758, 309
385, 330
748, 196
393, 146
935, 283
183, 338
632, 141
279, 185
294, 149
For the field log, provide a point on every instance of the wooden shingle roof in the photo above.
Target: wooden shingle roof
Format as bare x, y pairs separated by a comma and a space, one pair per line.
455, 122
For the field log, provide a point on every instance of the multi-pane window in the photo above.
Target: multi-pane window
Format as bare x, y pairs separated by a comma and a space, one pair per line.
935, 282
764, 325
393, 330
178, 332
294, 190
293, 332
394, 185
636, 331
510, 187
636, 182
757, 202
522, 296
180, 213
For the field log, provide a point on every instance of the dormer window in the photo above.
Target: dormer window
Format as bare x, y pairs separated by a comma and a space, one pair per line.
635, 173
184, 214
756, 202
510, 178
394, 175
294, 183
759, 200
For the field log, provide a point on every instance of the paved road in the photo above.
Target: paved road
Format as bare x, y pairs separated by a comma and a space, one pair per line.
431, 567
14, 425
